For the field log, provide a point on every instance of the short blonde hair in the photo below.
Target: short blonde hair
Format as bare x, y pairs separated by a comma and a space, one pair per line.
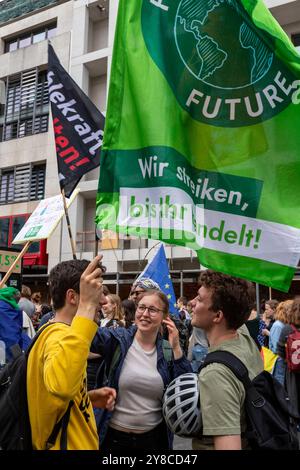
282, 311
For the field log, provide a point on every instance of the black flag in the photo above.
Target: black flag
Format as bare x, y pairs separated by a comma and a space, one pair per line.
78, 126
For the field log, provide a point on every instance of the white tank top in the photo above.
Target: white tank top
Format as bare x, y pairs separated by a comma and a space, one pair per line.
139, 401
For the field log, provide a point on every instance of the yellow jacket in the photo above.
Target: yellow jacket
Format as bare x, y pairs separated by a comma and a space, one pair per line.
56, 374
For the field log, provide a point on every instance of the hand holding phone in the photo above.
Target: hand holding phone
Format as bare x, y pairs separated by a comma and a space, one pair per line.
91, 288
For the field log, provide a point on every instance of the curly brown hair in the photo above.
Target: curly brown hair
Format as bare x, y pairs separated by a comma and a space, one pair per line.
294, 316
230, 294
282, 311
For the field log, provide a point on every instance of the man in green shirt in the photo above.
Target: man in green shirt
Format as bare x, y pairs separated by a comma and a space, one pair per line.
221, 308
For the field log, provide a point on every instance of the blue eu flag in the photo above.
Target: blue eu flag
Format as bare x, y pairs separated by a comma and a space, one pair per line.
158, 271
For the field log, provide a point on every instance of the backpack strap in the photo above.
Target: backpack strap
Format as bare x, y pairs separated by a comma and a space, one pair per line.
167, 350
64, 421
240, 371
35, 338
63, 425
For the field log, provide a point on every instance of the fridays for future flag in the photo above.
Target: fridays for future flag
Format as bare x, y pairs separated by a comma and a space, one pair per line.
202, 136
78, 126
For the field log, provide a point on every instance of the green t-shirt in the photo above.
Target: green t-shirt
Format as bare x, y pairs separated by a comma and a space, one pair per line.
222, 395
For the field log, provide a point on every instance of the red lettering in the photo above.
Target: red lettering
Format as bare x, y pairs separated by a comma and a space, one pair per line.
57, 129
69, 151
62, 141
81, 162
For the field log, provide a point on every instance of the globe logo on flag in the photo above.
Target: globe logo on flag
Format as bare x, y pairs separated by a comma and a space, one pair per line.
221, 68
213, 57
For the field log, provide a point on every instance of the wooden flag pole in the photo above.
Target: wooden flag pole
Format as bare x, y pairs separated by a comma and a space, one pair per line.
270, 293
18, 258
68, 224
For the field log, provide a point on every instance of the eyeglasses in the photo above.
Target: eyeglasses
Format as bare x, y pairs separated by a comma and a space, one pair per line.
152, 310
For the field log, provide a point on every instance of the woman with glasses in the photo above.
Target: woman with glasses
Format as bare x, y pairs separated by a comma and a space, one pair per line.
140, 365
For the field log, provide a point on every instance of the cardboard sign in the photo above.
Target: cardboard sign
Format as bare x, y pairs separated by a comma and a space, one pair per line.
6, 260
44, 219
7, 257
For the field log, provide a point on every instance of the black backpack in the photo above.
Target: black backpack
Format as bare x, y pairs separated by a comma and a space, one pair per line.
15, 429
271, 422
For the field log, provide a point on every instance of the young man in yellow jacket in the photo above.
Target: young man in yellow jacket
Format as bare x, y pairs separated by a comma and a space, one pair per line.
56, 373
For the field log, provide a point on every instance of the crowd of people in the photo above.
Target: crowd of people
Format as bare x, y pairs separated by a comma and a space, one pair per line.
107, 362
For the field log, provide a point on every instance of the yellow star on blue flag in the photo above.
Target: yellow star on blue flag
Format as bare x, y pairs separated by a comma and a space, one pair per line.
158, 270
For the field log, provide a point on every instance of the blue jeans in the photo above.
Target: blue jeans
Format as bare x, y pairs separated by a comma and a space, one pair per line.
198, 355
279, 370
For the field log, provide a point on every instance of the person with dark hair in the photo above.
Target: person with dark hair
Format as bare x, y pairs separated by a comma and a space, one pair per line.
182, 307
56, 369
47, 314
255, 326
137, 366
129, 312
221, 308
140, 286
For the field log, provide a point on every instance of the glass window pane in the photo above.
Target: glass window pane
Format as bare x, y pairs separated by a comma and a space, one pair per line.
17, 224
296, 39
13, 46
25, 42
11, 187
39, 37
4, 228
51, 32
34, 247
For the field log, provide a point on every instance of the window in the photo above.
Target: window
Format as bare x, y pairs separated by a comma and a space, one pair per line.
10, 227
296, 41
4, 232
7, 186
22, 183
31, 37
26, 106
39, 37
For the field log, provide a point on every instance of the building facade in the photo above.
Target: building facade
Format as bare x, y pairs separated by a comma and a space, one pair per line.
81, 32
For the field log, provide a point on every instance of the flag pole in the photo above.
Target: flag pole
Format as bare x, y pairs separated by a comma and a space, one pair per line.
18, 258
257, 299
270, 293
68, 224
98, 238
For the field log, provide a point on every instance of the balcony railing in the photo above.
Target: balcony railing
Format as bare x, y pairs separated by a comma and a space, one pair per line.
85, 241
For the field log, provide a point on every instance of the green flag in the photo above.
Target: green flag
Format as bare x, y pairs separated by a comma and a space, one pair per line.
202, 136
